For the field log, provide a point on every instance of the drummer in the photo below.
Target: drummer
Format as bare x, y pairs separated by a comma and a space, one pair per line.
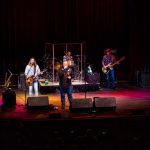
68, 57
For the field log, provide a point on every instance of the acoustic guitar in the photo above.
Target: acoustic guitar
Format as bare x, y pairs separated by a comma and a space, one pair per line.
110, 66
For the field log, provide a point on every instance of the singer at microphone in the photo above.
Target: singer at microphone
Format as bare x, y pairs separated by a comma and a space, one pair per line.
65, 83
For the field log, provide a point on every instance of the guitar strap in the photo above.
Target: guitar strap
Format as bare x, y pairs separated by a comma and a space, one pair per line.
34, 70
29, 70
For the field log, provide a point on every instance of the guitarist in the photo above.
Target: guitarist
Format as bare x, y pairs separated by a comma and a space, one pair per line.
32, 71
107, 60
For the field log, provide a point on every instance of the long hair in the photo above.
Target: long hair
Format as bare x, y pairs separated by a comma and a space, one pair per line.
30, 64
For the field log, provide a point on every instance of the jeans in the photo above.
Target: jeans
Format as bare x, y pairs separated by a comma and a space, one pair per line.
110, 79
34, 87
69, 94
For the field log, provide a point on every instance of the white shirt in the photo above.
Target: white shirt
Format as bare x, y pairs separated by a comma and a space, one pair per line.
29, 71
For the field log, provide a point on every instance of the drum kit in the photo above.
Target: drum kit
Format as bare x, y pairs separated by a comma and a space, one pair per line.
53, 65
49, 64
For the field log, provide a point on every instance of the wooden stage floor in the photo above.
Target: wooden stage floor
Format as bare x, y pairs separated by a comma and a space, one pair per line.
130, 101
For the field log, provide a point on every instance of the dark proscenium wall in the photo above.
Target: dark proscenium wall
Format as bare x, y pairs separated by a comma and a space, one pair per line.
123, 25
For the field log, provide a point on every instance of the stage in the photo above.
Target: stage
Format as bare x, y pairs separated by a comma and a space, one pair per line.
130, 101
127, 127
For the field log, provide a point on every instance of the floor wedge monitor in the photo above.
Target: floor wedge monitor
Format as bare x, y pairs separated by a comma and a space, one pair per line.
81, 105
104, 103
38, 102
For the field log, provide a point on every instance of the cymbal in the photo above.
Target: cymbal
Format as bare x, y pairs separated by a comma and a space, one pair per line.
55, 59
79, 55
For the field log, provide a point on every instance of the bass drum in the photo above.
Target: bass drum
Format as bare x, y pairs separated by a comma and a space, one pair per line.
70, 63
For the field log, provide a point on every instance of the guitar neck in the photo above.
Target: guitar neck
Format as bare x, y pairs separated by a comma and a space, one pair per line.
113, 64
118, 61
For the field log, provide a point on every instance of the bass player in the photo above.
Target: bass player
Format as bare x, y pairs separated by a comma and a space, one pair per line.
107, 60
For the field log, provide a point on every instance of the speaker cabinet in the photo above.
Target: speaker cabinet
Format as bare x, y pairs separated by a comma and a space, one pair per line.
9, 98
145, 79
104, 103
81, 105
40, 102
21, 84
93, 79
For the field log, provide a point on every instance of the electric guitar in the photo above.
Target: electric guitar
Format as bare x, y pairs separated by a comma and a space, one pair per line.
110, 66
30, 79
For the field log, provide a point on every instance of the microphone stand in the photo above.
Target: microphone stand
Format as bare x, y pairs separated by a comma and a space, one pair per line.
84, 59
25, 92
85, 87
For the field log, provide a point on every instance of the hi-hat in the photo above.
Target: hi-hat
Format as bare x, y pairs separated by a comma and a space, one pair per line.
79, 55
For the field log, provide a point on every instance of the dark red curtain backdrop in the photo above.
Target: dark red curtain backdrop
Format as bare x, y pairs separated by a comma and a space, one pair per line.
26, 25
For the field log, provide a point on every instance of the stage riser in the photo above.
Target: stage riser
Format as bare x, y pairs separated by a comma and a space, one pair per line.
76, 88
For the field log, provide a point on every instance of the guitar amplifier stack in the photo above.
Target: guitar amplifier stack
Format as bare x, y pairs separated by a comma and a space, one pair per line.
22, 85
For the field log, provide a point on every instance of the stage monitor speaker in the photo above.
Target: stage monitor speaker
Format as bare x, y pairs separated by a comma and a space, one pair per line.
81, 105
39, 102
104, 103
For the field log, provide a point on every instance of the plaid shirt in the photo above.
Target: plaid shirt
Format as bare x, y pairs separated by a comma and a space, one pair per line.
108, 59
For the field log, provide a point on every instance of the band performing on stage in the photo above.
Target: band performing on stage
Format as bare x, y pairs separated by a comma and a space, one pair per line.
52, 67
68, 73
